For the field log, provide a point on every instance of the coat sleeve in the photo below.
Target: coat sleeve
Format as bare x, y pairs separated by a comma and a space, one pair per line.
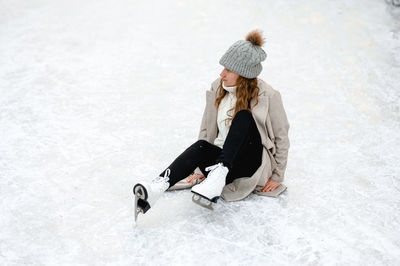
203, 126
280, 127
202, 134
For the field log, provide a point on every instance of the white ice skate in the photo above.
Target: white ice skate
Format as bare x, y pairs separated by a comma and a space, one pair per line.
147, 194
211, 188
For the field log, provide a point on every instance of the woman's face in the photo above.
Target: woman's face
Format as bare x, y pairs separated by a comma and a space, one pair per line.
229, 78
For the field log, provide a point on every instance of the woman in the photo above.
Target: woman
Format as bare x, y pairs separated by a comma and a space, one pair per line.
243, 141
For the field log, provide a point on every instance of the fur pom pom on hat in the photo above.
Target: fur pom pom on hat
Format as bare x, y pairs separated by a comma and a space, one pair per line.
255, 37
244, 57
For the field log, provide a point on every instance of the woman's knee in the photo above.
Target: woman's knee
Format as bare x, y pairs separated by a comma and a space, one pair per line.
200, 143
243, 114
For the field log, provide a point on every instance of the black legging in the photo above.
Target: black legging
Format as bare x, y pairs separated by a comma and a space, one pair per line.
241, 152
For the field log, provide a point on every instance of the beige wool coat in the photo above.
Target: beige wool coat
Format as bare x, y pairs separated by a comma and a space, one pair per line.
272, 123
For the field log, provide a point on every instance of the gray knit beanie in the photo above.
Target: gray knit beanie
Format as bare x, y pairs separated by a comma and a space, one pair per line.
244, 57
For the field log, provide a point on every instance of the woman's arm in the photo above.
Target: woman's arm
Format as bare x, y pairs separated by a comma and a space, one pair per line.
280, 127
203, 126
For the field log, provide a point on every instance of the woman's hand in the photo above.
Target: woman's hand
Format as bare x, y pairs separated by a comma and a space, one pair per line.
271, 185
195, 176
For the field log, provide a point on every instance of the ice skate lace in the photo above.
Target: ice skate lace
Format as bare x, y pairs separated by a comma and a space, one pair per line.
163, 179
212, 167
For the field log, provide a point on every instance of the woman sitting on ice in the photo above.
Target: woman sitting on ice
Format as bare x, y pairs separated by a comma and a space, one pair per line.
243, 141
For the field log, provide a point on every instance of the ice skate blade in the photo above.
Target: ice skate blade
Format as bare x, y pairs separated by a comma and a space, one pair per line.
198, 201
212, 200
141, 205
137, 209
140, 191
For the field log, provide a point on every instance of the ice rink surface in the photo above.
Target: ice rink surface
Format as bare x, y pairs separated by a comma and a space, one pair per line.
97, 95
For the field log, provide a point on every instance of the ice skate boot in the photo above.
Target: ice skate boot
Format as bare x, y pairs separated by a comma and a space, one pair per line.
147, 193
211, 188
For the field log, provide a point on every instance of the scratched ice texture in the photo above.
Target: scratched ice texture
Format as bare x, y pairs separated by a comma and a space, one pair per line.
97, 95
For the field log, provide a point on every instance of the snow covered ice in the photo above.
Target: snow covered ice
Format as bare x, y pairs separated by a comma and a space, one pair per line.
96, 95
